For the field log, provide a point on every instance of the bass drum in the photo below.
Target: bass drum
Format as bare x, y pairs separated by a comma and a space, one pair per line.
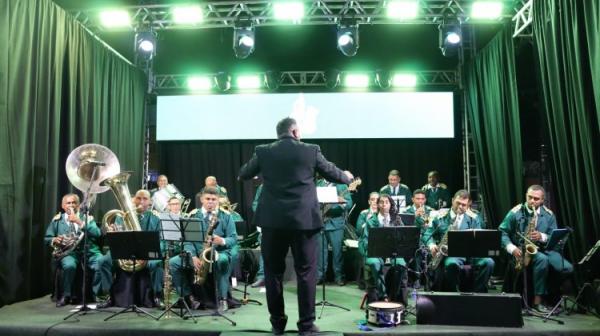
160, 199
384, 314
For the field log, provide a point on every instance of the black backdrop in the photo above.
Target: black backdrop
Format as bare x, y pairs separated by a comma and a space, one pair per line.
188, 163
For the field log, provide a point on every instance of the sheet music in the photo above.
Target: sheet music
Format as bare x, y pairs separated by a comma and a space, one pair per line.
327, 195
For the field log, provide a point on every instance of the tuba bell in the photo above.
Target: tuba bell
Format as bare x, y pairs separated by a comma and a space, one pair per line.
118, 185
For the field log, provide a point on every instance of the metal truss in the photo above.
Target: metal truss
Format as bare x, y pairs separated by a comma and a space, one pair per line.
523, 19
430, 78
219, 14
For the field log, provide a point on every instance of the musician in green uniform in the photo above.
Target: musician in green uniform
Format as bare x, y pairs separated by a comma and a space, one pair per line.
536, 222
334, 221
224, 240
364, 215
374, 266
260, 274
422, 219
400, 192
161, 182
71, 223
436, 193
459, 217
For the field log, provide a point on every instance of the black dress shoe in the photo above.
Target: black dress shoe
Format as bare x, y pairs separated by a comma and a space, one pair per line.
278, 324
106, 304
313, 330
277, 331
63, 301
258, 283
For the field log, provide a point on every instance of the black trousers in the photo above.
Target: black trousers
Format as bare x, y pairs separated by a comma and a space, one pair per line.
274, 247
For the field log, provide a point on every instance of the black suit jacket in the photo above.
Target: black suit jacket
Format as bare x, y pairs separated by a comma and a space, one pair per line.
289, 196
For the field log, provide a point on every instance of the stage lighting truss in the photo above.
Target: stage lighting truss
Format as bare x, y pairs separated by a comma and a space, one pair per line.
450, 37
220, 14
243, 40
347, 38
145, 45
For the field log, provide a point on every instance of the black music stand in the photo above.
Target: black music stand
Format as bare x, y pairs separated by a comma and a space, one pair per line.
134, 245
243, 231
324, 249
587, 259
477, 243
178, 229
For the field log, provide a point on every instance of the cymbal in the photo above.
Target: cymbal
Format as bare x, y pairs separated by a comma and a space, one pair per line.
80, 166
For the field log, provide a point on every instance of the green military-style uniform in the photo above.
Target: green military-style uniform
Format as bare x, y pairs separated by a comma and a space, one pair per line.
334, 220
102, 271
437, 196
260, 274
452, 265
399, 190
517, 220
220, 190
374, 279
361, 221
225, 229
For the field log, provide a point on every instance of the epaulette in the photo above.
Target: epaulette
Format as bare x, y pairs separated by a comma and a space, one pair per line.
549, 211
193, 212
381, 189
225, 211
517, 208
365, 211
155, 213
56, 217
403, 185
471, 214
442, 185
425, 187
223, 189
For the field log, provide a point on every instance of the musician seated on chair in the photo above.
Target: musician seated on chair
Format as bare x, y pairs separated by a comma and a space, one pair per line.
363, 216
374, 266
149, 221
437, 193
458, 218
67, 226
536, 222
161, 182
422, 214
224, 239
400, 192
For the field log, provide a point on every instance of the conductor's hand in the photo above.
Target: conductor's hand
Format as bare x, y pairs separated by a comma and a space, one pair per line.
517, 253
434, 250
197, 263
349, 174
218, 240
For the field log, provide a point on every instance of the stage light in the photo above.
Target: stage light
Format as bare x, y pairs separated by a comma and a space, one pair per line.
243, 41
356, 80
450, 38
332, 78
145, 44
248, 82
113, 18
382, 78
199, 83
404, 80
272, 80
347, 39
187, 15
223, 81
403, 9
486, 10
289, 10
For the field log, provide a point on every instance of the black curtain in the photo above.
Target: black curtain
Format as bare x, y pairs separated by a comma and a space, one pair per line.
188, 163
567, 35
59, 88
493, 111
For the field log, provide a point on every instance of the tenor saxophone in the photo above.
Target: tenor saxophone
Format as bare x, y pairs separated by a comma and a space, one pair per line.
206, 257
530, 248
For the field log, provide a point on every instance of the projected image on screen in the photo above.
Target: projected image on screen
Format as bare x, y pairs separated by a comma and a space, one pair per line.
320, 115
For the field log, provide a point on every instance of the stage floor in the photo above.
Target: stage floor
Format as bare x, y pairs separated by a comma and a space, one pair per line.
40, 317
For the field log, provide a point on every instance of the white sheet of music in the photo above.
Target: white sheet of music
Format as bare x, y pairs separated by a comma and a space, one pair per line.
327, 194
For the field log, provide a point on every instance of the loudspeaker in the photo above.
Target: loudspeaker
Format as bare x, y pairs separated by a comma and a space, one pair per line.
494, 310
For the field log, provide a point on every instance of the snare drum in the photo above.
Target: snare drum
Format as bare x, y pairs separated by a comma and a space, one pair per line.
384, 314
160, 199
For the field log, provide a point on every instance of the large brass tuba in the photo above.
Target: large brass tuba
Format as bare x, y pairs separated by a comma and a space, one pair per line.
118, 185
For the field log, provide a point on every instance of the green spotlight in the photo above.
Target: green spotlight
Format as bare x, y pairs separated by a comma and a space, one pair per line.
486, 9
187, 14
356, 80
403, 9
289, 10
404, 80
248, 82
114, 18
199, 83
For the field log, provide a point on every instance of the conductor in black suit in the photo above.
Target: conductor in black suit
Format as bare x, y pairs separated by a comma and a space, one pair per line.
288, 212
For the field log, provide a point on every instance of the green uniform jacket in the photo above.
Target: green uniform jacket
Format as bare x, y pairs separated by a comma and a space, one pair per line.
439, 226
256, 197
224, 229
403, 190
335, 217
438, 196
419, 222
361, 221
518, 219
59, 226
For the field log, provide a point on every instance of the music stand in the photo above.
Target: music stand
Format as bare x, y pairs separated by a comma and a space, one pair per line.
134, 245
407, 219
478, 243
242, 228
178, 229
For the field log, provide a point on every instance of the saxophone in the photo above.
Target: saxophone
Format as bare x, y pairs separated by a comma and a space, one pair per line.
530, 247
443, 251
206, 258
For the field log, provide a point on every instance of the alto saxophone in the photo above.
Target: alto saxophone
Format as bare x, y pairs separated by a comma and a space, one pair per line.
443, 251
530, 247
206, 257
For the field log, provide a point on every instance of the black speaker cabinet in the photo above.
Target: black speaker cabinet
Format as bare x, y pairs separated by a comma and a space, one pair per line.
493, 310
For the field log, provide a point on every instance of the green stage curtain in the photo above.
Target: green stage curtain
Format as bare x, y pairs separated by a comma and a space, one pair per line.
566, 34
493, 110
59, 88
